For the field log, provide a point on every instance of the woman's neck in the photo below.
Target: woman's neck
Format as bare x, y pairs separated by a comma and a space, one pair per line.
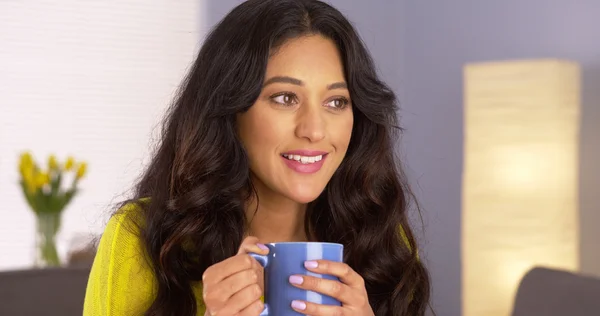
275, 218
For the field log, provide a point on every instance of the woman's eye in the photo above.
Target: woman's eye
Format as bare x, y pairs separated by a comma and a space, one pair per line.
338, 103
285, 99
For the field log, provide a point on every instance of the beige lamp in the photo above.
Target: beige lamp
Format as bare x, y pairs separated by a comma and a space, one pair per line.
520, 206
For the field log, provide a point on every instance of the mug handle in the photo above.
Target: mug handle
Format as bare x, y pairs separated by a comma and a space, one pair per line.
262, 259
264, 262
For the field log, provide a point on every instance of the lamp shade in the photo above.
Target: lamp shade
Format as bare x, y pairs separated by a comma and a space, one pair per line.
520, 177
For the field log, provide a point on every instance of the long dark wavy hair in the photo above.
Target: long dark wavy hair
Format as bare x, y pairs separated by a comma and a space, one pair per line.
198, 181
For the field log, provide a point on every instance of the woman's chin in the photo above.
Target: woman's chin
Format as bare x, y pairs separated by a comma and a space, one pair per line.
305, 199
304, 195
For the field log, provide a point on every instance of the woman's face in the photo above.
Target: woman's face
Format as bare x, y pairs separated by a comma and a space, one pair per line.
298, 131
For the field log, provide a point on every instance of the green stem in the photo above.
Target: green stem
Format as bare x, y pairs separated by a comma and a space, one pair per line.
48, 225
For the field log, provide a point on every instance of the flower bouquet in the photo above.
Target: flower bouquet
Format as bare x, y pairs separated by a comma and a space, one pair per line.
48, 191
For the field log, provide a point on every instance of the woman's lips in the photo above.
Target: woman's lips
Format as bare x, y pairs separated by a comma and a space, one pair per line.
304, 161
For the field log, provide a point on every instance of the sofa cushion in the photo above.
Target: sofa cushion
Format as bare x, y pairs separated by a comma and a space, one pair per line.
52, 291
551, 292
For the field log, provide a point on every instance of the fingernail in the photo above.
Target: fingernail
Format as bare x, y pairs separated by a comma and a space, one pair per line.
296, 279
299, 305
262, 246
311, 264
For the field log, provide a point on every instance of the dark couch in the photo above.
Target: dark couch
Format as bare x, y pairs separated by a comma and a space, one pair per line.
49, 292
549, 292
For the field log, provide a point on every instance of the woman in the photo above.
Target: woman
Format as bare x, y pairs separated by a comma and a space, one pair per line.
281, 132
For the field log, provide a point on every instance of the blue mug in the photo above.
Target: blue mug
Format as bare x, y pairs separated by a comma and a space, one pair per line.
286, 259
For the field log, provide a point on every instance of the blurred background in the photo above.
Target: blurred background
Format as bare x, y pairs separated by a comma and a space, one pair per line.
90, 80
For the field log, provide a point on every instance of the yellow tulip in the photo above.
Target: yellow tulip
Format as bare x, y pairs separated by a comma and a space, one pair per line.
29, 180
26, 157
41, 179
52, 163
26, 162
25, 169
81, 170
70, 163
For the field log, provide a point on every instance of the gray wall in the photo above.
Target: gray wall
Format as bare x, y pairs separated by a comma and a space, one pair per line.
420, 47
439, 38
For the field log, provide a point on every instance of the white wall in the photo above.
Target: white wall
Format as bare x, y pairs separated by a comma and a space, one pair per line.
90, 79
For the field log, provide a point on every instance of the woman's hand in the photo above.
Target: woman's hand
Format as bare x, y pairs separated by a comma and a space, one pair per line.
234, 286
350, 290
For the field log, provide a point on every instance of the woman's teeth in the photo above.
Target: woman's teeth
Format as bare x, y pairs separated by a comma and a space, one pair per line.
304, 159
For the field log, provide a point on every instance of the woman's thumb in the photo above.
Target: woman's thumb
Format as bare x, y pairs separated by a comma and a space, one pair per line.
251, 244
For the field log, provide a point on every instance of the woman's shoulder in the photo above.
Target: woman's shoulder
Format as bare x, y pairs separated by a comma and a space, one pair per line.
122, 257
126, 221
121, 280
122, 232
121, 239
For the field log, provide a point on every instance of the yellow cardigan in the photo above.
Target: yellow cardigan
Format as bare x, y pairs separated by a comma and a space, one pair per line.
121, 281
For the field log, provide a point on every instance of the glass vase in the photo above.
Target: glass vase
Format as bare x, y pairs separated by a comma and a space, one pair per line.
47, 226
